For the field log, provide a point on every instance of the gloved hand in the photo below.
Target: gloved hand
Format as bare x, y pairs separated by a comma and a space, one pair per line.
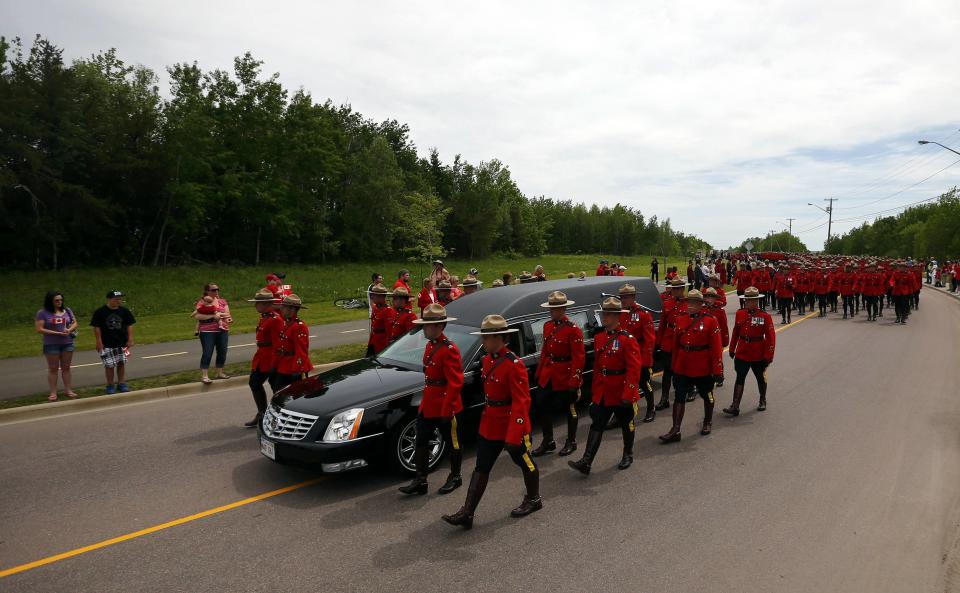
732, 354
718, 378
626, 404
514, 448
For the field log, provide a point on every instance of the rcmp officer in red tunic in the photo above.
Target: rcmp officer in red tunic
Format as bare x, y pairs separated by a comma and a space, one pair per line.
293, 344
752, 345
712, 307
505, 423
559, 373
614, 385
404, 317
444, 289
441, 402
672, 307
262, 367
697, 363
381, 320
639, 324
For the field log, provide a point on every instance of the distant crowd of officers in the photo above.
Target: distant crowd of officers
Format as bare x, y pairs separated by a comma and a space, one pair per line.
692, 334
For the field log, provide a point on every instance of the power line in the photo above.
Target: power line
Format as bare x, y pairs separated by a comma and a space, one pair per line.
904, 189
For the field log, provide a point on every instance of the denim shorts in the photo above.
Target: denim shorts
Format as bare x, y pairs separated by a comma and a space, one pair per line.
57, 348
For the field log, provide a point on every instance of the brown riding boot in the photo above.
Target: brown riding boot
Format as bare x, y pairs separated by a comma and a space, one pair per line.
532, 501
464, 517
674, 434
734, 409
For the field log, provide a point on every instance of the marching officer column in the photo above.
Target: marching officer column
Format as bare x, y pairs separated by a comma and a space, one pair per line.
616, 374
293, 344
262, 367
697, 363
441, 402
559, 373
505, 423
639, 324
381, 318
672, 307
752, 345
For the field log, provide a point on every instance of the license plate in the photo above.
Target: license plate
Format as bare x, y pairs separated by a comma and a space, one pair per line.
268, 449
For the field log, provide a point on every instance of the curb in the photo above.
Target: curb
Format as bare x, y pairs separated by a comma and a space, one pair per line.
53, 409
943, 291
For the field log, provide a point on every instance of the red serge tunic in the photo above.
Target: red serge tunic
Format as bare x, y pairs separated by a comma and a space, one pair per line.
696, 350
821, 283
639, 324
443, 379
616, 368
293, 352
720, 314
268, 340
380, 322
562, 356
783, 286
754, 338
668, 325
506, 416
902, 283
402, 322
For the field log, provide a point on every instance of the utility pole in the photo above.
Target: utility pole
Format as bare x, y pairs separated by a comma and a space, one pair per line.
790, 228
829, 217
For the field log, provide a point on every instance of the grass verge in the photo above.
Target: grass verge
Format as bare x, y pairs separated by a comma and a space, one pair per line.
334, 354
162, 298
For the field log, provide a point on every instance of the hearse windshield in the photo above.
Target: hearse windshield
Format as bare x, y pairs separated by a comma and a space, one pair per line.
407, 351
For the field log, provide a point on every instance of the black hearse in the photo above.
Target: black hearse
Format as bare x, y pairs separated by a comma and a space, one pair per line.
364, 412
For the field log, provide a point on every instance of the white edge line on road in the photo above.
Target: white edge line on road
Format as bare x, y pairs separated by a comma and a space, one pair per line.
350, 331
242, 345
162, 355
88, 364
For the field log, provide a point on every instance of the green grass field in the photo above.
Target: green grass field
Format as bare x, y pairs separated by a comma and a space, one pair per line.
162, 298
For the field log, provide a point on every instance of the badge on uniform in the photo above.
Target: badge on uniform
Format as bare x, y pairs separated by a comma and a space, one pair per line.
615, 346
756, 321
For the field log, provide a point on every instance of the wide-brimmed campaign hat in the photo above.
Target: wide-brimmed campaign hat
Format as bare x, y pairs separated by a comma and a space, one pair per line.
470, 281
292, 300
377, 289
678, 283
434, 313
695, 295
709, 292
627, 290
494, 325
400, 293
263, 296
557, 299
611, 305
496, 283
752, 292
444, 285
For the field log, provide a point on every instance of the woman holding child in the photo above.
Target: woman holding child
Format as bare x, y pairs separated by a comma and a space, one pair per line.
213, 326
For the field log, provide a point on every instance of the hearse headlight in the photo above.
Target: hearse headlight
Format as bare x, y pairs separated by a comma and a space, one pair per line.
344, 426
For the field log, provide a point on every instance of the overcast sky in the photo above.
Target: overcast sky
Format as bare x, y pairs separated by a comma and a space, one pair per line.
724, 116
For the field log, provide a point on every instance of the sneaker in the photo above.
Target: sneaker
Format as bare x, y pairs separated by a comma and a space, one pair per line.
111, 389
123, 388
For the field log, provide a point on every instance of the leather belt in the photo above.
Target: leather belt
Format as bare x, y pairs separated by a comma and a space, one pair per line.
497, 403
694, 348
264, 344
286, 352
561, 358
435, 382
611, 372
379, 330
749, 339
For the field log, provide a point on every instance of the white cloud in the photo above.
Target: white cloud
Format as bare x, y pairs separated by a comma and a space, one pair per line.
724, 116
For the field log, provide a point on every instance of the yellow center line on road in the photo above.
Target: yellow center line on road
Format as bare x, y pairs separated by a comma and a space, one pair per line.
129, 536
778, 330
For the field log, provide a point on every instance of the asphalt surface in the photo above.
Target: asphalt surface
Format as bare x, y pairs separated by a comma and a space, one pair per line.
27, 376
849, 482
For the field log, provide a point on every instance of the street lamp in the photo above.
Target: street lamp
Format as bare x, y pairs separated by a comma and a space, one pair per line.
829, 211
938, 144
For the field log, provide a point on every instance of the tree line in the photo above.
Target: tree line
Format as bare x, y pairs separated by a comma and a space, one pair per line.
98, 167
781, 241
925, 230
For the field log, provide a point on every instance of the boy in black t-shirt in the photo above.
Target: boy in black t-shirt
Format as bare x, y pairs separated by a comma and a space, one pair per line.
113, 329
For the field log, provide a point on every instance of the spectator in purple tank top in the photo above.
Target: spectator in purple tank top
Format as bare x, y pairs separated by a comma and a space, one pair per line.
57, 324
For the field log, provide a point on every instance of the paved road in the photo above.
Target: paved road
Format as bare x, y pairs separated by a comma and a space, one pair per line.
26, 376
849, 482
